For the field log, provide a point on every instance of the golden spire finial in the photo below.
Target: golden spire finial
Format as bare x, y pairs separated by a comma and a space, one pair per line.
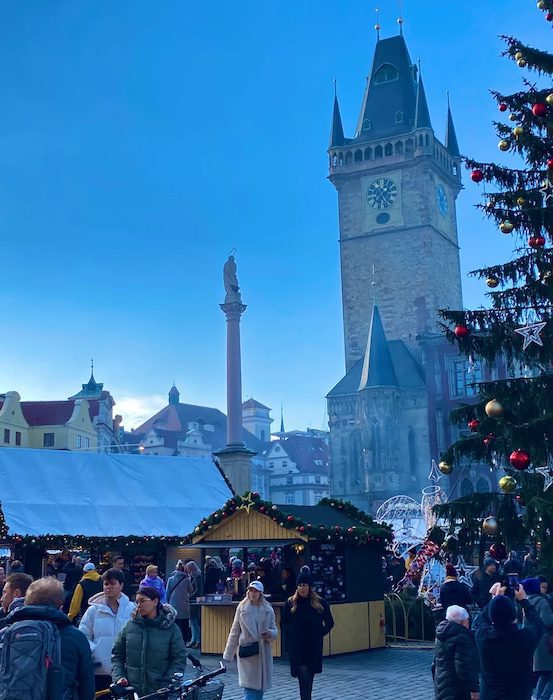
377, 25
400, 17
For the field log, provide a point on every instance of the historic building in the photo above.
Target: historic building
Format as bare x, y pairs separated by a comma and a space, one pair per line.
397, 185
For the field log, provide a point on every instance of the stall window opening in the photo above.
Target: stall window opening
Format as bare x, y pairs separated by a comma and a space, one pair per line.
6, 436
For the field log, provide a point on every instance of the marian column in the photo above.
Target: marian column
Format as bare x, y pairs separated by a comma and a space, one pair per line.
235, 458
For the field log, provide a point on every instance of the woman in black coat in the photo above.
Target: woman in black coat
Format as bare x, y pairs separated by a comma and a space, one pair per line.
306, 619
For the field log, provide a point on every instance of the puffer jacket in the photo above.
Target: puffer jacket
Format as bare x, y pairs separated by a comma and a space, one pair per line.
100, 625
456, 664
148, 652
543, 659
157, 583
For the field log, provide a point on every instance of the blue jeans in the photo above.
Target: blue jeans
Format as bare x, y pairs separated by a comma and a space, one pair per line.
251, 694
195, 625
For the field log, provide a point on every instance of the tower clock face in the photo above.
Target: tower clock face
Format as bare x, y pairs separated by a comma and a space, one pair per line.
381, 193
441, 198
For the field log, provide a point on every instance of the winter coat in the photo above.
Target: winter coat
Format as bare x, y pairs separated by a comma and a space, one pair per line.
305, 630
513, 566
89, 585
255, 672
156, 583
453, 592
212, 575
506, 655
179, 588
76, 659
481, 589
14, 605
148, 652
543, 659
456, 663
73, 575
100, 625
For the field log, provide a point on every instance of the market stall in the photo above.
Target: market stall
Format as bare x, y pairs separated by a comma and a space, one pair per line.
341, 545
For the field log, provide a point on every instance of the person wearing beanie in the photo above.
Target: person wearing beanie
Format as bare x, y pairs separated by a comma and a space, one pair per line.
456, 665
89, 585
506, 651
482, 585
306, 619
453, 592
543, 658
513, 565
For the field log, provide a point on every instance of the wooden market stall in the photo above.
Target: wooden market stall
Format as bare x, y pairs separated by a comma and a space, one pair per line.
341, 545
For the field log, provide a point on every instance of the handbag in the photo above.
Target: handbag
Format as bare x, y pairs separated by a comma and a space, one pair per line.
247, 650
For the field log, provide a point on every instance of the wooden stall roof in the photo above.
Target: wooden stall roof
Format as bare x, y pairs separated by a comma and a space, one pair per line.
246, 526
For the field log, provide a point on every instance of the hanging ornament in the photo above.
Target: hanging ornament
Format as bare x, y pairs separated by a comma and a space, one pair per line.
506, 227
531, 333
461, 331
521, 201
518, 131
536, 241
489, 439
550, 163
502, 107
547, 474
477, 175
498, 551
542, 5
507, 484
549, 98
518, 55
490, 526
539, 109
520, 460
492, 282
547, 191
445, 467
549, 16
521, 63
503, 145
493, 409
513, 117
473, 425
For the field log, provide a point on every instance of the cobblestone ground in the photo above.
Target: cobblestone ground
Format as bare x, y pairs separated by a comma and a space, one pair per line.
383, 674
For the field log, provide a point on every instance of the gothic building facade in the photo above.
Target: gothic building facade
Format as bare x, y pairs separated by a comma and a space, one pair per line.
397, 186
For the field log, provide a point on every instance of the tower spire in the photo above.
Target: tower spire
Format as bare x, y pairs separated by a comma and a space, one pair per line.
281, 419
400, 16
422, 114
451, 142
377, 25
337, 130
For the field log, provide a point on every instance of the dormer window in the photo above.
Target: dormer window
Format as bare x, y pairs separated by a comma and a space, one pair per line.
366, 125
385, 74
399, 117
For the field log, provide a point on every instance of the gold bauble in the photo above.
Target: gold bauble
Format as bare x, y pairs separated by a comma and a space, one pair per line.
507, 484
445, 467
542, 4
506, 227
490, 526
549, 99
521, 201
521, 63
518, 55
492, 282
493, 409
518, 131
503, 145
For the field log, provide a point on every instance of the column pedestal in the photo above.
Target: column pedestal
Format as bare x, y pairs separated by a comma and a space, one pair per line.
237, 465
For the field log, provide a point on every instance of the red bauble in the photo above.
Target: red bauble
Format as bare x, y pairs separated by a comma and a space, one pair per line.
520, 500
301, 528
503, 107
498, 551
263, 509
520, 460
549, 16
290, 518
539, 109
536, 241
490, 437
473, 424
477, 176
550, 163
461, 331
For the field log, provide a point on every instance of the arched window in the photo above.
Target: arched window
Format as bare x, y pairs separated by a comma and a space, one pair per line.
368, 153
341, 159
412, 444
388, 149
482, 485
427, 140
466, 487
385, 74
409, 145
262, 436
366, 125
355, 457
378, 152
358, 156
348, 158
399, 117
420, 140
399, 147
376, 447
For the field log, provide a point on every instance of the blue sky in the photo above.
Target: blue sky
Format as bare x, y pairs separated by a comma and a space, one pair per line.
140, 141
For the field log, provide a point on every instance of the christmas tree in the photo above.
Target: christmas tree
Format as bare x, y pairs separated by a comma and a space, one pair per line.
511, 427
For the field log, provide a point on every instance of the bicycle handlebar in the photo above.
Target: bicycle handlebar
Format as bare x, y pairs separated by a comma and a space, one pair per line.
185, 686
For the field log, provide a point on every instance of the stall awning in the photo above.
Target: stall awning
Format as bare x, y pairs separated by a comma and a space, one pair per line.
240, 544
106, 495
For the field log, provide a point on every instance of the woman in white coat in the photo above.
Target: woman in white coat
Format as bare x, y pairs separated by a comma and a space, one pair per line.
254, 621
104, 619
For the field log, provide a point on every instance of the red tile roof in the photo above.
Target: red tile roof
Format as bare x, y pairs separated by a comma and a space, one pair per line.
47, 412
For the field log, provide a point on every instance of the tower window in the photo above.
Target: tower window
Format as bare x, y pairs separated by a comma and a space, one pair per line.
358, 156
388, 149
262, 436
366, 125
399, 117
378, 152
383, 218
466, 487
386, 74
482, 485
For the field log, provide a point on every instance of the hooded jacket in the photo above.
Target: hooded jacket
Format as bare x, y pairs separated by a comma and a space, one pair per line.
148, 652
543, 659
156, 583
76, 659
179, 589
506, 655
89, 585
456, 662
101, 626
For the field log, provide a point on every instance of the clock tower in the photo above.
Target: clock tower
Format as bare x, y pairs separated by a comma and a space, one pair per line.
397, 186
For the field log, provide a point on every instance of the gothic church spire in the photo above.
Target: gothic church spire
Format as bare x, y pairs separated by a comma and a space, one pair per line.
451, 142
422, 114
378, 369
337, 130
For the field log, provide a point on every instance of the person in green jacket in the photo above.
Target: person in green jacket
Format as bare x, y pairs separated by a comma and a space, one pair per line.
150, 647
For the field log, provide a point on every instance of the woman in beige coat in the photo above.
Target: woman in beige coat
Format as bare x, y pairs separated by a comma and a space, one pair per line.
254, 621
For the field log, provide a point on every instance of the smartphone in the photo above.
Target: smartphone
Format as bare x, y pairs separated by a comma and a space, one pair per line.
514, 581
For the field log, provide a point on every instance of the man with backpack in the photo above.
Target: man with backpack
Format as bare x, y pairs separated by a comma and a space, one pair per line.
42, 655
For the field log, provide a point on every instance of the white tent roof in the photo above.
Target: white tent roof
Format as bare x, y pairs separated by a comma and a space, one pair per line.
106, 495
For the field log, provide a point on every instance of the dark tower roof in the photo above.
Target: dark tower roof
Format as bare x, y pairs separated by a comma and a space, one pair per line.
378, 368
174, 396
422, 114
337, 130
91, 390
451, 142
389, 103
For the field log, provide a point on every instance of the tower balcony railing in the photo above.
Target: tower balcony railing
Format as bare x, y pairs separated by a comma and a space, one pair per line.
351, 159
